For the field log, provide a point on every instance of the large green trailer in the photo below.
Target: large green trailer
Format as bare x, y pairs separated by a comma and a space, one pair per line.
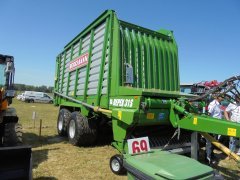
121, 74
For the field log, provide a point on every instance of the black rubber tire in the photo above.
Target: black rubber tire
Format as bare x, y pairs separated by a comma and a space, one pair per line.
12, 134
81, 130
116, 165
31, 101
64, 117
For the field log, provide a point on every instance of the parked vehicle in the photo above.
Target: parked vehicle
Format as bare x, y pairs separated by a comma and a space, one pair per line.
20, 96
33, 96
127, 76
193, 88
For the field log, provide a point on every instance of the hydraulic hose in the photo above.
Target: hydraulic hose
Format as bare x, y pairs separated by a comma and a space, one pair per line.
94, 108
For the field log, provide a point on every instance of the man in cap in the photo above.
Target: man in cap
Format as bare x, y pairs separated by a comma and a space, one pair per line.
232, 113
214, 110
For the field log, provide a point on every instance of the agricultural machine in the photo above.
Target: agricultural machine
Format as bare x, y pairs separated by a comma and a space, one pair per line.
198, 88
121, 74
15, 159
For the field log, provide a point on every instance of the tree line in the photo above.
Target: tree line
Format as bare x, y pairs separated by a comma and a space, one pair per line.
23, 87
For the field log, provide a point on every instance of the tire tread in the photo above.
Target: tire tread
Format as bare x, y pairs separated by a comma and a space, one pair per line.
12, 134
86, 130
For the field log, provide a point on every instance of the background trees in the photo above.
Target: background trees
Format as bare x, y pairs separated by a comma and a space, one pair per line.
23, 87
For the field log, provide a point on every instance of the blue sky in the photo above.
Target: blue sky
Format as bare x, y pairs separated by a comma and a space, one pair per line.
207, 33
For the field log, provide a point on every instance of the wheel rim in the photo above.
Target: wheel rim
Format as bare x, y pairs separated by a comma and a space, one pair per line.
72, 129
60, 123
115, 165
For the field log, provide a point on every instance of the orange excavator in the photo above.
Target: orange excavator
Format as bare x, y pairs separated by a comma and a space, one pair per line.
15, 158
10, 129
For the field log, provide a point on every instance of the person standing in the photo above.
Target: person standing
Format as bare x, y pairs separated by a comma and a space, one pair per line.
232, 113
214, 110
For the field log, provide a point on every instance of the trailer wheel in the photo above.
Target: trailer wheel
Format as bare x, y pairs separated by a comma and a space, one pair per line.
116, 165
12, 134
63, 120
81, 130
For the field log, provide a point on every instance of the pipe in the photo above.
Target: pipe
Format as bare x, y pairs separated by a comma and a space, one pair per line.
74, 100
98, 109
94, 108
221, 147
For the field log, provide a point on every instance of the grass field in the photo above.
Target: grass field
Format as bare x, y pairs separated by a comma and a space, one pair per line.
55, 158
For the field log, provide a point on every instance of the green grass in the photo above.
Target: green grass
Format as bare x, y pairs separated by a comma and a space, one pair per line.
55, 158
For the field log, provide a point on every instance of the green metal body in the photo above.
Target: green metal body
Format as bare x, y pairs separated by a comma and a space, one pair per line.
133, 73
111, 45
126, 64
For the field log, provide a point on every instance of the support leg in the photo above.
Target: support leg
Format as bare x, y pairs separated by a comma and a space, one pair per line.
194, 145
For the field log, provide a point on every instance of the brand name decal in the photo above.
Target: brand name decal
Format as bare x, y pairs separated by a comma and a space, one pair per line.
78, 62
121, 102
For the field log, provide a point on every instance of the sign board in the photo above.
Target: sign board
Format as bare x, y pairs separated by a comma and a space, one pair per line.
78, 62
138, 145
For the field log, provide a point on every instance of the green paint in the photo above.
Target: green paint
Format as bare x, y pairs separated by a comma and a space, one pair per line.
165, 165
78, 70
69, 73
88, 65
99, 89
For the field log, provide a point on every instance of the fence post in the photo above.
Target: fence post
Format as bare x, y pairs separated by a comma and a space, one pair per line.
34, 115
40, 128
